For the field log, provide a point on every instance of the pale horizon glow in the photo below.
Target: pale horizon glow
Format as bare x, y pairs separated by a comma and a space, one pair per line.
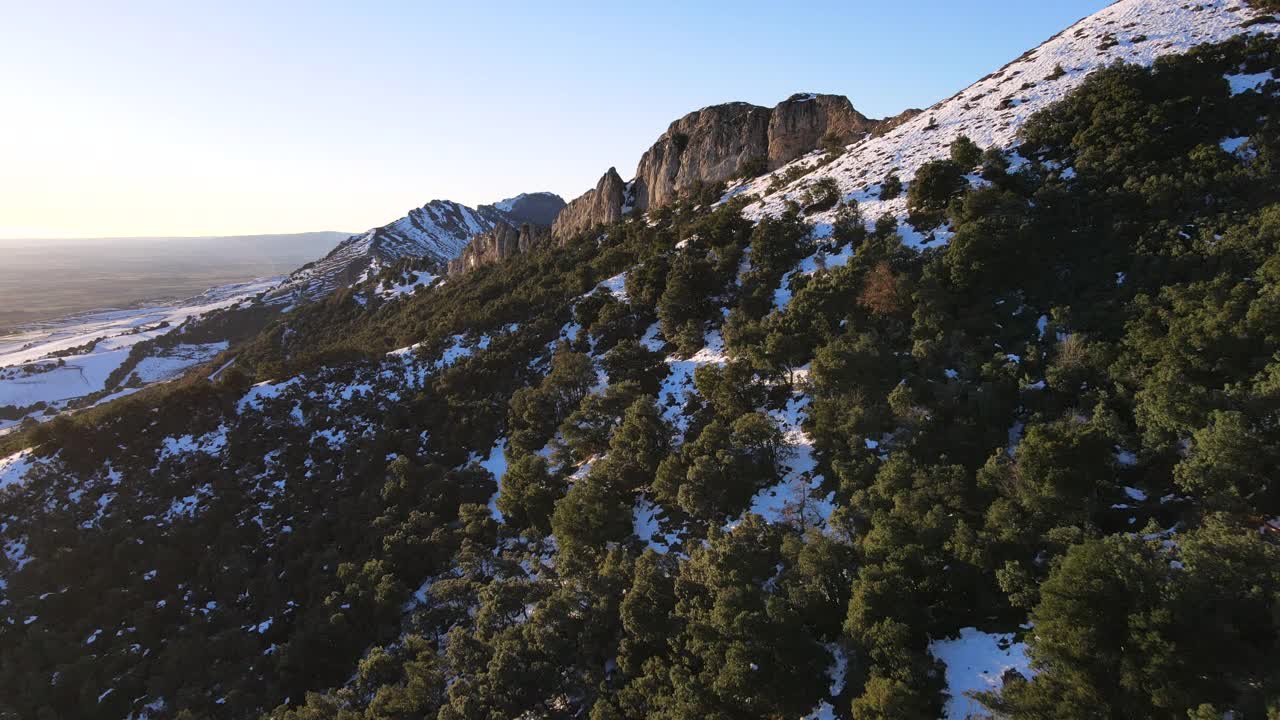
162, 119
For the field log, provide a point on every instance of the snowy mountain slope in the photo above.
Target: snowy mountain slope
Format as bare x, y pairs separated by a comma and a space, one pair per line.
437, 231
991, 111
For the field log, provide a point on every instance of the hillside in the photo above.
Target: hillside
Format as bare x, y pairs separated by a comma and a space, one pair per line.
991, 111
434, 233
79, 361
1004, 445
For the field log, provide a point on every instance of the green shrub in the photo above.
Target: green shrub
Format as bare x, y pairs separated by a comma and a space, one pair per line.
965, 152
891, 188
935, 185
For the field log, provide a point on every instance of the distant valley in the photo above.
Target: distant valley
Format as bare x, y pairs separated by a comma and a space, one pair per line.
42, 279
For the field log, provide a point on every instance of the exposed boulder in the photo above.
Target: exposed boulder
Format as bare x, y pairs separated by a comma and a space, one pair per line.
599, 206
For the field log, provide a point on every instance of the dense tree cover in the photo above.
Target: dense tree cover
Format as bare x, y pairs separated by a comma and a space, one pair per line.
1067, 416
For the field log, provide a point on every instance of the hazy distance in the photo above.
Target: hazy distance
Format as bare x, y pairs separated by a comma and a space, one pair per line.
44, 279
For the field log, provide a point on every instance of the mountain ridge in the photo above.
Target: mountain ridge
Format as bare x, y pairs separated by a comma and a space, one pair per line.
436, 233
716, 143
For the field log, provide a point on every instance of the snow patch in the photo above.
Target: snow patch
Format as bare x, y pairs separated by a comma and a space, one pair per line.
13, 469
496, 463
975, 662
994, 109
1243, 83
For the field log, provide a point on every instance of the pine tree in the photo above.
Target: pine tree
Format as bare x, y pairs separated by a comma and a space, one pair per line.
529, 493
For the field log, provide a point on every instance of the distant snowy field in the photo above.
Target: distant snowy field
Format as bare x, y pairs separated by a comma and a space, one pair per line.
99, 342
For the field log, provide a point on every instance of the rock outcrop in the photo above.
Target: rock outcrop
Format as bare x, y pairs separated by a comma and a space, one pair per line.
714, 144
499, 243
707, 145
717, 143
599, 206
890, 123
798, 124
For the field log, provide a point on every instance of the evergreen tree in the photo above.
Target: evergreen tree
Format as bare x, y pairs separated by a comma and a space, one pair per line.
529, 494
965, 152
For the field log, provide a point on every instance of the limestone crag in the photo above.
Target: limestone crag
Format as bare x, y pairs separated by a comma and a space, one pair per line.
601, 205
714, 144
798, 125
707, 145
499, 243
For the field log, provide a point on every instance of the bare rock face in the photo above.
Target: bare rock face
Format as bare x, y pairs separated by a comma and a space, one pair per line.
600, 206
707, 145
496, 244
714, 144
798, 124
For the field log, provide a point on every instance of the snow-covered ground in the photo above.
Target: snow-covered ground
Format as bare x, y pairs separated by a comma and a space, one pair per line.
992, 110
797, 497
14, 468
100, 342
678, 385
438, 230
975, 662
174, 362
409, 284
496, 463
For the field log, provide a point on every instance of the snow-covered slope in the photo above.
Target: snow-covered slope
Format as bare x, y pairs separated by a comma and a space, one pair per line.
437, 231
991, 111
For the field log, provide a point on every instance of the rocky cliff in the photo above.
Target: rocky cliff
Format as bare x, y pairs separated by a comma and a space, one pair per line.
496, 244
799, 123
603, 204
707, 145
718, 143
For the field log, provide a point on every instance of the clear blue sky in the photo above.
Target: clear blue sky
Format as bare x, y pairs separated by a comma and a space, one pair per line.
184, 117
